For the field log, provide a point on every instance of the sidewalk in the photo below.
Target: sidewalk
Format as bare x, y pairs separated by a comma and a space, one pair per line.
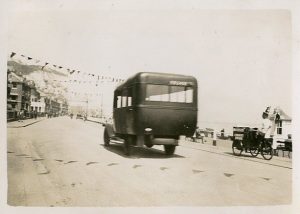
225, 147
24, 123
95, 120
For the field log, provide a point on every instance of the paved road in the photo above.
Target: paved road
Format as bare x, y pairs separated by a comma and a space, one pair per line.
62, 162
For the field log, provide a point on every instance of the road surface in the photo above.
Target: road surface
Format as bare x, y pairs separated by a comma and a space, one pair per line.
62, 162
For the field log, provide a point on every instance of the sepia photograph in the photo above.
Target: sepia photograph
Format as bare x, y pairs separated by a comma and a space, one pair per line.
119, 104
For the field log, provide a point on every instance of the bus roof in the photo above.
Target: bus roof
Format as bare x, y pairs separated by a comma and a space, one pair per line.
157, 78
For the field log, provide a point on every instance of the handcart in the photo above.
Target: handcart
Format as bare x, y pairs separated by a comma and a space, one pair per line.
251, 140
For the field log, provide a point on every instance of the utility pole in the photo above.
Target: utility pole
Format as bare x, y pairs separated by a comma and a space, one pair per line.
87, 106
101, 108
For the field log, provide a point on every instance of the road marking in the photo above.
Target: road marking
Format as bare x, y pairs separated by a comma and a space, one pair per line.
22, 155
89, 163
44, 173
38, 159
163, 168
70, 162
111, 164
267, 179
197, 171
228, 174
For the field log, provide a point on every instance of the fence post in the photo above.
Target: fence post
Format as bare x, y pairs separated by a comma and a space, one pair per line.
214, 138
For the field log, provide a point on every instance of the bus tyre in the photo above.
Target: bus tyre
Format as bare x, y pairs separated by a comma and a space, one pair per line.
106, 138
169, 149
127, 145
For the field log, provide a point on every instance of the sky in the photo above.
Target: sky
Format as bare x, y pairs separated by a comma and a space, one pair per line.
242, 59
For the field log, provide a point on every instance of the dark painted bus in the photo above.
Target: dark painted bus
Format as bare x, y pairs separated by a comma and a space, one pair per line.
153, 109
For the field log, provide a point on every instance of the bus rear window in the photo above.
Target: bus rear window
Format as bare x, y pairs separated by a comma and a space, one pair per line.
165, 93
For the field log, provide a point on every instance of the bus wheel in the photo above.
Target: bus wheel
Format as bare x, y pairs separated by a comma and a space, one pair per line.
169, 149
106, 138
127, 145
149, 145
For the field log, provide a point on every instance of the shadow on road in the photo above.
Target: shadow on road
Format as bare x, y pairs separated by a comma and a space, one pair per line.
242, 155
139, 152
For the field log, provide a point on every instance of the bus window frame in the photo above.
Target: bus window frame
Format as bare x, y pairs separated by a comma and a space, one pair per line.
169, 89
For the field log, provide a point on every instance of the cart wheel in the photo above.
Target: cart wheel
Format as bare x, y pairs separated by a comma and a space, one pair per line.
254, 151
169, 149
266, 151
106, 138
237, 148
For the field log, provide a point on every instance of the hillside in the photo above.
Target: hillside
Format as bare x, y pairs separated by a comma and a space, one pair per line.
48, 81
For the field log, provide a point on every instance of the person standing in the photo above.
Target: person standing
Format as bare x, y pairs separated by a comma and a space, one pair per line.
268, 126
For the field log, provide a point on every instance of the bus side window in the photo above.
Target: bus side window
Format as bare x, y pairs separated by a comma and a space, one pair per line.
119, 101
189, 95
129, 101
124, 101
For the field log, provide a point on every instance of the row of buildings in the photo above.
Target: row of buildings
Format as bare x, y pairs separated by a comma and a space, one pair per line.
25, 100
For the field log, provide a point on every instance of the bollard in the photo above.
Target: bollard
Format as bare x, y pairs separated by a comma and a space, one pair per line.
215, 139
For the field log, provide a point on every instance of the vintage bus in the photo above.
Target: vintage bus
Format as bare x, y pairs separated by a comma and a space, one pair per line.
153, 109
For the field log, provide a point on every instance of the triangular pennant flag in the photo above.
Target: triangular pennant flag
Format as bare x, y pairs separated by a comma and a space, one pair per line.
29, 58
12, 54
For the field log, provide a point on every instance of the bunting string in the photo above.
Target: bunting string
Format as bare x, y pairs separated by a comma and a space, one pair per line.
70, 71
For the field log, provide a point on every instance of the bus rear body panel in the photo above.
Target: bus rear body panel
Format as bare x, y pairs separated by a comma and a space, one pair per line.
166, 121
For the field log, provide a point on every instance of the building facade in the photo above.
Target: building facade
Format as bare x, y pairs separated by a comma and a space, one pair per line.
18, 100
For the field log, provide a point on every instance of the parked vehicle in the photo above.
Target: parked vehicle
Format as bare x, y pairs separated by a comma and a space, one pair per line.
251, 140
153, 109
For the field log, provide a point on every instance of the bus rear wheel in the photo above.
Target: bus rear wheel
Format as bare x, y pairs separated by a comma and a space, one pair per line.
169, 149
129, 140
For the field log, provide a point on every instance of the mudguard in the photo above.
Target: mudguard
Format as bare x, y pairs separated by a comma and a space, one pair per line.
110, 130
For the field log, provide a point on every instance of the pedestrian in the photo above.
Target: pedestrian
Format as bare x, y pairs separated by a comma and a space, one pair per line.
267, 129
222, 133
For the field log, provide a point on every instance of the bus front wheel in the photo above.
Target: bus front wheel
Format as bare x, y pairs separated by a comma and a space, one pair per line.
169, 149
106, 138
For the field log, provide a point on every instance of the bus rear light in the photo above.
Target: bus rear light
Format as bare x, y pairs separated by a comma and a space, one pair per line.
148, 129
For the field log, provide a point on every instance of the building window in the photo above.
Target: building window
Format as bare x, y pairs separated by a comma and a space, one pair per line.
279, 127
14, 85
14, 97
